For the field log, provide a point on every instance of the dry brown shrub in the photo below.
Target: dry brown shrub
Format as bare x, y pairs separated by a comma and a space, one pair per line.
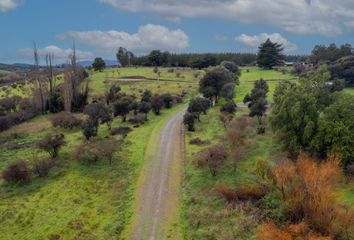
228, 193
212, 157
308, 188
241, 194
300, 231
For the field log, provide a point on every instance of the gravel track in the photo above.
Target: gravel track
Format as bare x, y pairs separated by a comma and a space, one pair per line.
159, 193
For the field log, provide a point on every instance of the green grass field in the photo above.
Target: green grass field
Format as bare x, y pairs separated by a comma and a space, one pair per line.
76, 201
251, 74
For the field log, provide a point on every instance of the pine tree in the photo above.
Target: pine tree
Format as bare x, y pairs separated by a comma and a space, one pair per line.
269, 54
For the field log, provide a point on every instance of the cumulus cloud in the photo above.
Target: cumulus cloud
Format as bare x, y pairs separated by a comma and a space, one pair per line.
148, 37
322, 17
6, 5
255, 40
59, 53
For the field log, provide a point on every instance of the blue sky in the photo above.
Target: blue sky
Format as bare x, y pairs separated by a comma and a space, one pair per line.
99, 27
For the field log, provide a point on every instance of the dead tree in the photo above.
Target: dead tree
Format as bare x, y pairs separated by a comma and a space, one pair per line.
40, 87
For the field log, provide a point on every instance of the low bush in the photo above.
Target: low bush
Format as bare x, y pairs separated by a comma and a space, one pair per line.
123, 131
198, 141
41, 167
138, 119
97, 149
240, 194
65, 120
212, 157
51, 143
17, 172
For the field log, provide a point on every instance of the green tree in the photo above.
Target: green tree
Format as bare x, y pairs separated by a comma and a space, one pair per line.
344, 69
89, 128
228, 91
232, 67
155, 58
122, 108
146, 96
125, 57
199, 105
214, 81
156, 104
189, 121
257, 102
294, 116
336, 129
269, 54
99, 64
167, 99
144, 107
112, 94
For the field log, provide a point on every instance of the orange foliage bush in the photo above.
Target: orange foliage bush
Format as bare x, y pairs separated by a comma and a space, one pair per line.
307, 187
300, 231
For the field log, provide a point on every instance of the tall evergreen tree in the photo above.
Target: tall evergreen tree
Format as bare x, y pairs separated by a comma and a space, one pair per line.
270, 54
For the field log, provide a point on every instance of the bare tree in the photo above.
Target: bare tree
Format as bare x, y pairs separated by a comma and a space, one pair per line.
73, 77
40, 87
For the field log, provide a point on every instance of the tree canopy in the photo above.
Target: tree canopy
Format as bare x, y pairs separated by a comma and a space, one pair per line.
99, 64
213, 82
270, 54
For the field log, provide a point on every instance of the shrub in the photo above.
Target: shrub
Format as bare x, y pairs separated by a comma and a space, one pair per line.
212, 157
229, 107
228, 193
156, 104
17, 172
167, 100
89, 128
307, 188
92, 151
42, 167
290, 231
123, 131
273, 207
87, 153
198, 141
225, 118
189, 121
51, 143
65, 120
138, 119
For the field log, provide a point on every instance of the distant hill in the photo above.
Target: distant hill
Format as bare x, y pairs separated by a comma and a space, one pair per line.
16, 67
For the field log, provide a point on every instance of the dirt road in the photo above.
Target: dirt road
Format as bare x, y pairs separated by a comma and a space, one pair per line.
159, 189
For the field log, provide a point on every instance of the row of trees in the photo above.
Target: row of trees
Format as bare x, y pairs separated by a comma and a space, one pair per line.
195, 60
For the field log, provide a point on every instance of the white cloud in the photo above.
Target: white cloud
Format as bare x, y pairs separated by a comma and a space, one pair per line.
59, 53
321, 17
6, 5
255, 40
148, 37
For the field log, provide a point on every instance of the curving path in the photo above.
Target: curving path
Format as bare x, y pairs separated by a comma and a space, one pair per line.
159, 189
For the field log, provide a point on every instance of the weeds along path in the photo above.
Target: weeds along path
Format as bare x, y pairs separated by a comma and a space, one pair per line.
156, 211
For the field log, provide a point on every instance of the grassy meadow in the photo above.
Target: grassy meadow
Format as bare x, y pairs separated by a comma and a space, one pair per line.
78, 201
